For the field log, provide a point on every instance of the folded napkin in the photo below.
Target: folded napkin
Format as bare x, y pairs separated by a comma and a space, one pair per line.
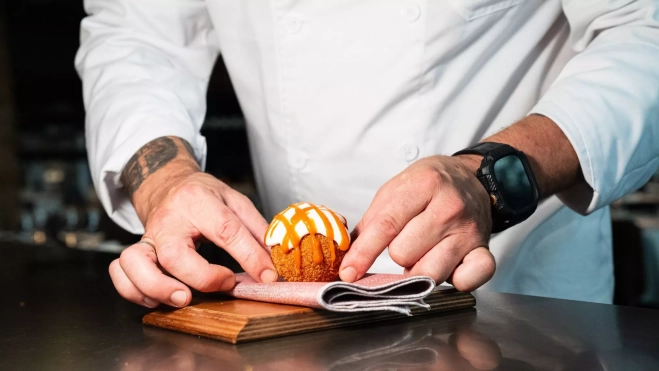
374, 292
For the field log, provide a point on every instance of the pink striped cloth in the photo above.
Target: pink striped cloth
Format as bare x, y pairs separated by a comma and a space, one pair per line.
374, 292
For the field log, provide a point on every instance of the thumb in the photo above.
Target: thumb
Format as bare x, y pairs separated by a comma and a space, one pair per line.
476, 268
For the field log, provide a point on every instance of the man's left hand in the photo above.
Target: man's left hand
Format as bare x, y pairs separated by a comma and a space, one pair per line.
435, 218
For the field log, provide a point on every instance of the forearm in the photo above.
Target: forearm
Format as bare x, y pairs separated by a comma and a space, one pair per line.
149, 174
554, 162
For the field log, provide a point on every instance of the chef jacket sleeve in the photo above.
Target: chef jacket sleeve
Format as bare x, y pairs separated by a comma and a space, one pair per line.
144, 66
606, 99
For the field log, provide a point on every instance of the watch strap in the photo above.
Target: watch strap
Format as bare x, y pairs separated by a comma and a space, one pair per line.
484, 149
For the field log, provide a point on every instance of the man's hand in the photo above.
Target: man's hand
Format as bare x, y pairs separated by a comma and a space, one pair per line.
435, 215
180, 206
435, 218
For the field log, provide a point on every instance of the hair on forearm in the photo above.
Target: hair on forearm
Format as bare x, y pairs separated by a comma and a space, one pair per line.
149, 159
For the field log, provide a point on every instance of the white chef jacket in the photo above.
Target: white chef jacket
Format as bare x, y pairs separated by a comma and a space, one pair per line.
340, 96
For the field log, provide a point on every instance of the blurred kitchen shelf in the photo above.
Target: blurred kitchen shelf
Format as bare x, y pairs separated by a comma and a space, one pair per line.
88, 241
638, 198
647, 222
224, 123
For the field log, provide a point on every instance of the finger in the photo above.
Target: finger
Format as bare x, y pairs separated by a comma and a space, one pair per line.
126, 289
450, 358
382, 198
213, 219
176, 254
440, 261
247, 213
176, 359
482, 352
477, 267
418, 236
139, 263
389, 219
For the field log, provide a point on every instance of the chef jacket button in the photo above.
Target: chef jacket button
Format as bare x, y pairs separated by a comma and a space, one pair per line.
408, 152
294, 24
412, 12
298, 162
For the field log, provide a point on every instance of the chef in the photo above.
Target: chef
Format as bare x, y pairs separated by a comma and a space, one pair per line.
452, 134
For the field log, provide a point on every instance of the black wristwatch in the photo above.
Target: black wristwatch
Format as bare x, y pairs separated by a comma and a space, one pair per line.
507, 176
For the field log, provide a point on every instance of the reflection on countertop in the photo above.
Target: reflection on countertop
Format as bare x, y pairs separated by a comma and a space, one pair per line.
60, 311
393, 345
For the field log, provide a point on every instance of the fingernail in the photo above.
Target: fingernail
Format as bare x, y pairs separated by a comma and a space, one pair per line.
179, 298
348, 274
150, 302
268, 276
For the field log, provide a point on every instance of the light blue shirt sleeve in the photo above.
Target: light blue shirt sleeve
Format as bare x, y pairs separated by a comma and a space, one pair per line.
606, 99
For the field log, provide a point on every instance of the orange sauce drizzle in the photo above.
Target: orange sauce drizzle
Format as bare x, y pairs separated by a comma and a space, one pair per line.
302, 215
330, 234
344, 233
292, 237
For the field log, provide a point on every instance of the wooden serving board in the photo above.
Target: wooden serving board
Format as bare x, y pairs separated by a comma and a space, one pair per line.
236, 321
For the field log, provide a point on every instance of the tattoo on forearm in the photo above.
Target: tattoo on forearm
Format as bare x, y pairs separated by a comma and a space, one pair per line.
188, 148
149, 159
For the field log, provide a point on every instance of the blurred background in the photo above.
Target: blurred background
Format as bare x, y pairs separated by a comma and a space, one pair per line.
46, 194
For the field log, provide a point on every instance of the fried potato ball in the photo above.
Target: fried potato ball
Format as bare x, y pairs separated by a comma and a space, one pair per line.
309, 271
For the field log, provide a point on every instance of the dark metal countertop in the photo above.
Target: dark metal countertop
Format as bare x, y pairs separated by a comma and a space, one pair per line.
58, 310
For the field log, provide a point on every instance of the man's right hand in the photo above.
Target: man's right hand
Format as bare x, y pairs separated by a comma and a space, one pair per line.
179, 206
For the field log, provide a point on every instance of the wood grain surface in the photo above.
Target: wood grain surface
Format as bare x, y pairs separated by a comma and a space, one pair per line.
236, 321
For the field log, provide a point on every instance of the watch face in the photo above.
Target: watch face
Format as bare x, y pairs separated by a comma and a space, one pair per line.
513, 183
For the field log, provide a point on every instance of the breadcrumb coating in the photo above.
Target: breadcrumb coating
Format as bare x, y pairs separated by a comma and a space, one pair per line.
286, 262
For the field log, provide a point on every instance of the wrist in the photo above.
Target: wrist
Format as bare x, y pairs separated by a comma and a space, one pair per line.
156, 168
156, 186
471, 162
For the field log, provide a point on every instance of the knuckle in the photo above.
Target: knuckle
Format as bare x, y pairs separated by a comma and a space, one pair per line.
149, 286
429, 272
399, 255
359, 259
228, 231
388, 225
186, 192
383, 192
241, 202
131, 296
405, 177
428, 179
206, 279
114, 269
249, 256
244, 200
453, 253
488, 266
205, 284
168, 256
127, 257
357, 230
454, 208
